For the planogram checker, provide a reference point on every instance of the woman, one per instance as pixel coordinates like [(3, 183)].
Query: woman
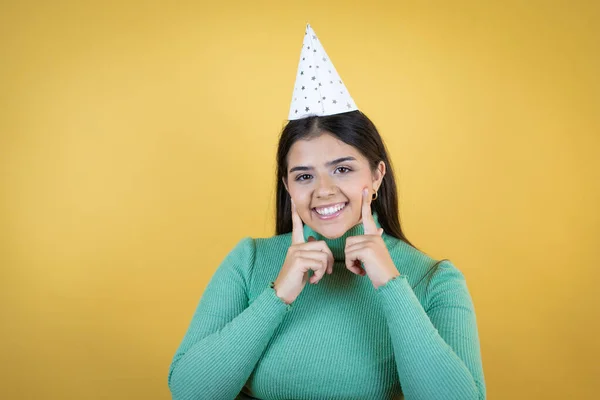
[(339, 304)]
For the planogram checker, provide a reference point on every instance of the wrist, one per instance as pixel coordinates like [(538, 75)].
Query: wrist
[(390, 278), (278, 294)]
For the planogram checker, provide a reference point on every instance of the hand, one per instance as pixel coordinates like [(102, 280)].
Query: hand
[(301, 257), (370, 250)]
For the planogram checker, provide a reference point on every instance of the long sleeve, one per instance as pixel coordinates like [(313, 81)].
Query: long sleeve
[(227, 335), (436, 349)]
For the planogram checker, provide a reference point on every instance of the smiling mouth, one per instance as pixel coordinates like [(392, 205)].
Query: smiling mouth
[(330, 212)]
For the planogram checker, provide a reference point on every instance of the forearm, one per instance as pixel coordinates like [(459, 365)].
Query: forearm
[(218, 365), (428, 367)]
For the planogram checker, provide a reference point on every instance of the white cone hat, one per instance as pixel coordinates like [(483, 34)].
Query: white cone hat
[(319, 89)]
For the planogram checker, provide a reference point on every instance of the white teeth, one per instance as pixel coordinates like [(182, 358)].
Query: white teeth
[(330, 210)]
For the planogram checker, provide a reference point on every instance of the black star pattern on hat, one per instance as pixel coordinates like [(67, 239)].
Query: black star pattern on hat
[(320, 58)]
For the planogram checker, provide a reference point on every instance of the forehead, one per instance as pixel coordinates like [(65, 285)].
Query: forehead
[(319, 150)]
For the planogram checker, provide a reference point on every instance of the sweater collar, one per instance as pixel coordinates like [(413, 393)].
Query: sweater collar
[(338, 245)]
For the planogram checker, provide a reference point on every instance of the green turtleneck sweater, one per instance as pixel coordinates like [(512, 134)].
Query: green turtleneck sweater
[(416, 336)]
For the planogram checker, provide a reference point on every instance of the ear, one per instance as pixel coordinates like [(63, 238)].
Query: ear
[(378, 175), (285, 184)]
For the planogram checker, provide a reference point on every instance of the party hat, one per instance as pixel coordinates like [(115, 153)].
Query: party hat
[(319, 90)]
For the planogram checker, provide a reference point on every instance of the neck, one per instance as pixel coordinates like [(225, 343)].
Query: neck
[(338, 245)]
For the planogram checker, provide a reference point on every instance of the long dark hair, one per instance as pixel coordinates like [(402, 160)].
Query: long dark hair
[(357, 130)]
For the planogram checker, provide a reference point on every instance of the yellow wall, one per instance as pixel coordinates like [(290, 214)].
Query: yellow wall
[(137, 147)]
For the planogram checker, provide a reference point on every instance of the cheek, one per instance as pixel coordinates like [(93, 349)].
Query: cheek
[(300, 197), (353, 190), (357, 180), (356, 204), (302, 201)]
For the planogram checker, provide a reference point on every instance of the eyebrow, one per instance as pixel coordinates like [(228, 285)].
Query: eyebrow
[(327, 164)]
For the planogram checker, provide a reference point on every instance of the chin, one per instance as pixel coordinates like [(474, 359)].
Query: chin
[(332, 232)]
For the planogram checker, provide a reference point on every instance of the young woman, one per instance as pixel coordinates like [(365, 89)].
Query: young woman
[(338, 304)]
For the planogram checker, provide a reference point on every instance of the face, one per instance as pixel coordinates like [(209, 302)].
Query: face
[(325, 179)]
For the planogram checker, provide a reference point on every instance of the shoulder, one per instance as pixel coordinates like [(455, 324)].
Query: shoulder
[(269, 256), (447, 287), (419, 267), (261, 249), (249, 246), (274, 243), (244, 249), (253, 260)]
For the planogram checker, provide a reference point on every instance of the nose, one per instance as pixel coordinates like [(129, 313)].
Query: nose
[(325, 188)]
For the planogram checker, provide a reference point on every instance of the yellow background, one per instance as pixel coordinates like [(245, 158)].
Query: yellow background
[(137, 147)]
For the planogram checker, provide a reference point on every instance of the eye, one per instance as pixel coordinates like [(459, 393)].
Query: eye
[(303, 177), (343, 170)]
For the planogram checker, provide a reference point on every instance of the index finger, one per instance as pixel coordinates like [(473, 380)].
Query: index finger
[(297, 227), (367, 217)]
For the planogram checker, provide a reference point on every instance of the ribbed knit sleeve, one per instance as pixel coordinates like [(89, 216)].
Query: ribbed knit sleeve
[(227, 335), (436, 349)]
